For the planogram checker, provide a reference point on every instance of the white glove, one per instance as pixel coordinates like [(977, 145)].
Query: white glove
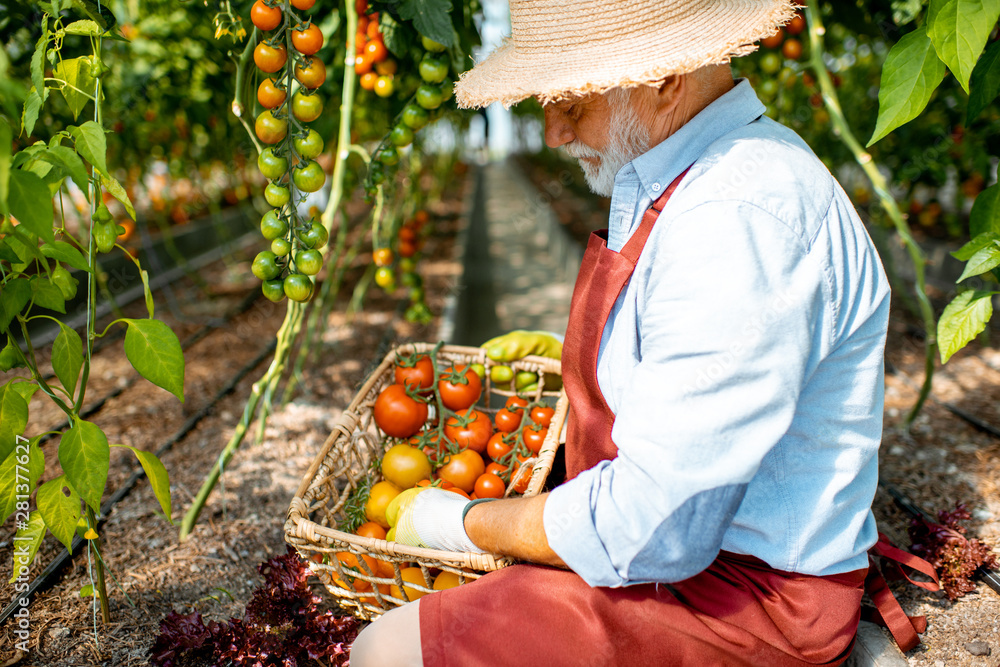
[(435, 519)]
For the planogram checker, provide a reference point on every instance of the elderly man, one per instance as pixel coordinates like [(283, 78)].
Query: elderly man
[(723, 360)]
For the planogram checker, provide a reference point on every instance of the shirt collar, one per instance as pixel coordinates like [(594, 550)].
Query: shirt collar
[(660, 165)]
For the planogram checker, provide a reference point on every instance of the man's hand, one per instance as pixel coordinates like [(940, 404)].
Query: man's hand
[(431, 518), (517, 345)]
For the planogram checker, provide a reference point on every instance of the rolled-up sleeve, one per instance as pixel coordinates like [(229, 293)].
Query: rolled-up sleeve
[(733, 313)]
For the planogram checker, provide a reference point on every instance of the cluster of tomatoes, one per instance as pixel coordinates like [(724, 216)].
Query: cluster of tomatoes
[(786, 39), (372, 63), (409, 240), (290, 158)]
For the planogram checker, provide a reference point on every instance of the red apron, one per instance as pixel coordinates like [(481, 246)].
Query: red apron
[(739, 611)]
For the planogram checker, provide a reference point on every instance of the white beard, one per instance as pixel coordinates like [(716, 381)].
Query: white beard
[(627, 140)]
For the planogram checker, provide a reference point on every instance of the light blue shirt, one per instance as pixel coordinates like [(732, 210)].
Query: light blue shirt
[(743, 362)]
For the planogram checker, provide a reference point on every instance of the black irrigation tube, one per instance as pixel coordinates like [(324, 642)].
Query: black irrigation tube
[(244, 306), (990, 577), (47, 575)]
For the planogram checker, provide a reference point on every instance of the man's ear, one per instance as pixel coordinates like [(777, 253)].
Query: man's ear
[(670, 92)]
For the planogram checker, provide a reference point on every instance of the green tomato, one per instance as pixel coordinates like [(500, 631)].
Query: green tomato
[(419, 313), (377, 172), (309, 146), (314, 237), (433, 69), (769, 88), (273, 290), (272, 226), (265, 266), (298, 287), (479, 370), (770, 63), (309, 262), (414, 117), (276, 195), (417, 294), (271, 165), (431, 45), (280, 246), (409, 279), (384, 277), (524, 379), (388, 156), (309, 178), (306, 106), (401, 135), (429, 97), (501, 375), (406, 264)]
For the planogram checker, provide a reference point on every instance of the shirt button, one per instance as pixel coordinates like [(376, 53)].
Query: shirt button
[(656, 187)]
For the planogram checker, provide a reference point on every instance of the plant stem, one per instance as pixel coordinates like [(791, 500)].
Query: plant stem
[(881, 187), (95, 546)]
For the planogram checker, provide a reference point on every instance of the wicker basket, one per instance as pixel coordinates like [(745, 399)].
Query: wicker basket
[(345, 461)]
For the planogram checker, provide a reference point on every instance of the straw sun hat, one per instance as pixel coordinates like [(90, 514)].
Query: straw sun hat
[(565, 48)]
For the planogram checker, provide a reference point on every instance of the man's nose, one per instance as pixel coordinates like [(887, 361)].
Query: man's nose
[(557, 129)]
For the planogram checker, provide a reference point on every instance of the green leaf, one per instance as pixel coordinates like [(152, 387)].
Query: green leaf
[(962, 320), (87, 591), (905, 11), (31, 203), (984, 260), (985, 84), (83, 28), (65, 157), (153, 350), (394, 35), (911, 74), (38, 65), (21, 469), (158, 478), (32, 105), (6, 137), (85, 456), (91, 144), (15, 296), (148, 292), (67, 357), (78, 83), (26, 388), (59, 505), (985, 216), (112, 185), (47, 295), (966, 252), (959, 30), (29, 538), (66, 253), (431, 18), (13, 418)]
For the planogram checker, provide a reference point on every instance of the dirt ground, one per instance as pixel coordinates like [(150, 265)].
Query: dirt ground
[(940, 461)]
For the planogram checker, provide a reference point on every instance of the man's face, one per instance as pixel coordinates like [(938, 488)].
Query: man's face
[(603, 132)]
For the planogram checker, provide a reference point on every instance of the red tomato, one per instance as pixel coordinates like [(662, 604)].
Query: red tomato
[(307, 41), (542, 415), (460, 388), (522, 484), (398, 415), (472, 435), (533, 437), (516, 402), (376, 50), (507, 421), (264, 17), (269, 58), (489, 485), (463, 469), (419, 375), (312, 73), (497, 447)]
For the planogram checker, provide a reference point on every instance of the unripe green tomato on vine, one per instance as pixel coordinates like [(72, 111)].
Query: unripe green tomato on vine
[(309, 178), (272, 225), (414, 117), (309, 146), (433, 69), (281, 247), (269, 129), (401, 136), (274, 290), (271, 165), (377, 173), (306, 107), (309, 262), (407, 264), (298, 287), (314, 237), (265, 266), (431, 45), (429, 97), (276, 195), (388, 156), (409, 279)]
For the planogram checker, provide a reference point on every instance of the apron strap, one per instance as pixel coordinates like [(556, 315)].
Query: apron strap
[(888, 613)]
